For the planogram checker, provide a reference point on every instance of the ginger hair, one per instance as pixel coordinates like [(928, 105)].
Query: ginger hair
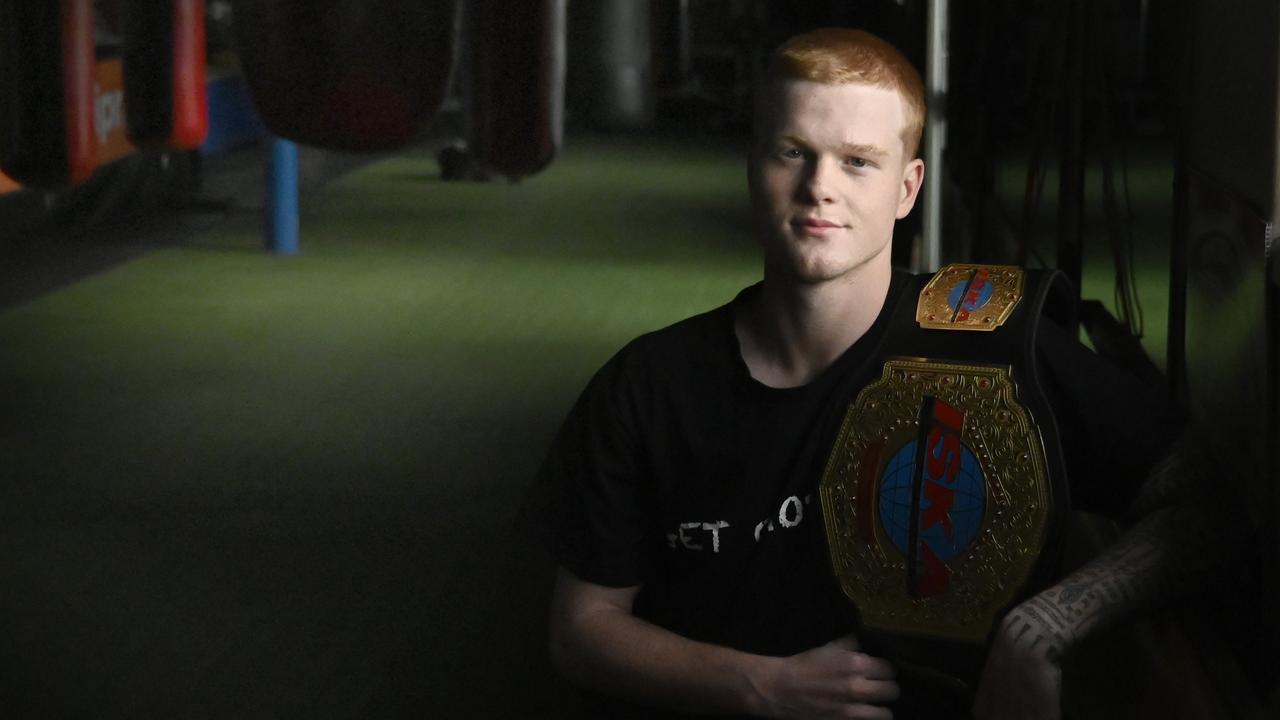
[(838, 56)]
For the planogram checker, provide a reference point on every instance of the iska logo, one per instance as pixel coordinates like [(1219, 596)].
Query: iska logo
[(932, 497), (108, 112), (968, 296)]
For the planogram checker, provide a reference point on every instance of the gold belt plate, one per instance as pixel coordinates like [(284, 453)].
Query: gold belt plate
[(970, 297), (936, 498)]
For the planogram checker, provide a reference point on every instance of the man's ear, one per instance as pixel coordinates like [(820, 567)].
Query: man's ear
[(912, 178)]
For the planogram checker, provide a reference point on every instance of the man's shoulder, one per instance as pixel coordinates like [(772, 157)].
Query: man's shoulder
[(707, 332)]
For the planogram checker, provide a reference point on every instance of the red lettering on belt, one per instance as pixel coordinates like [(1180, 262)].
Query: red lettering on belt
[(932, 494), (947, 415), (939, 511), (972, 296), (942, 460), (943, 454)]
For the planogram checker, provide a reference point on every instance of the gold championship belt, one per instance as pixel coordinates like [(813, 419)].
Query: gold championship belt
[(936, 495), (970, 297)]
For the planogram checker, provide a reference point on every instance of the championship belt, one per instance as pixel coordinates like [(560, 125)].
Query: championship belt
[(970, 297), (937, 495)]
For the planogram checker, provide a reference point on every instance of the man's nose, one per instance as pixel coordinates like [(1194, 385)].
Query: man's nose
[(818, 185)]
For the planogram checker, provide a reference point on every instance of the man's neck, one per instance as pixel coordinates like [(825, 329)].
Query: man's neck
[(794, 331)]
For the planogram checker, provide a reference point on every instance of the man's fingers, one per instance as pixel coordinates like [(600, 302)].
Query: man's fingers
[(848, 642), (875, 691), (846, 681), (871, 712), (873, 668)]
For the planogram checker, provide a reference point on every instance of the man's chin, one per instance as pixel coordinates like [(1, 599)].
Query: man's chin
[(804, 275), (799, 273)]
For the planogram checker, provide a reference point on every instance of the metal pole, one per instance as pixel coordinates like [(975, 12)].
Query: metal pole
[(282, 197), (684, 37), (935, 135), (1071, 167)]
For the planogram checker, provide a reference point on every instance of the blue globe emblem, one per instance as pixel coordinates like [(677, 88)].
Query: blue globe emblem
[(965, 515), (957, 293)]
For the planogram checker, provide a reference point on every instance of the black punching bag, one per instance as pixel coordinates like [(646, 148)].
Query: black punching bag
[(47, 67), (516, 84), (611, 76), (165, 92), (362, 75)]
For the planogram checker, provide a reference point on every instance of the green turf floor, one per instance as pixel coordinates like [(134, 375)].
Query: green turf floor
[(239, 485)]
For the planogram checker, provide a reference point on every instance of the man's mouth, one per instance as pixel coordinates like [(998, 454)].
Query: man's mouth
[(816, 226)]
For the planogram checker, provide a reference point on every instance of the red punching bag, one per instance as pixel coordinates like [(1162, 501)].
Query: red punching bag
[(164, 73), (346, 74), (46, 85)]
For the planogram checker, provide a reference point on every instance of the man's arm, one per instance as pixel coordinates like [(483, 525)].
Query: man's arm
[(598, 643), (1175, 544)]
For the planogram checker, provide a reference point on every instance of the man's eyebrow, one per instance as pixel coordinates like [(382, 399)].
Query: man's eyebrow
[(858, 149), (862, 150), (792, 139)]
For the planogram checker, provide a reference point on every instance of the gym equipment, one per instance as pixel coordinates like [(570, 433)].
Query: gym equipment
[(164, 73), (517, 71), (346, 74), (47, 68)]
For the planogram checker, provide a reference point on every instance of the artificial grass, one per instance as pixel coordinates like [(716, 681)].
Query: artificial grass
[(246, 485), (410, 292)]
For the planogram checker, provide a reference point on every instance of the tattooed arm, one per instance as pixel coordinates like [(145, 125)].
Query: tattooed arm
[(1173, 545)]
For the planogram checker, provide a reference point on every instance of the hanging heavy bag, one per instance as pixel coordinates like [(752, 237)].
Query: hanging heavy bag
[(346, 74), (517, 84), (46, 82), (164, 73)]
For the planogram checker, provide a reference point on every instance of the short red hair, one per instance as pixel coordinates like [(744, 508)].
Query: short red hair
[(838, 56)]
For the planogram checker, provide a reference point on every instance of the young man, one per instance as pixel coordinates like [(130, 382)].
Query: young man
[(695, 575)]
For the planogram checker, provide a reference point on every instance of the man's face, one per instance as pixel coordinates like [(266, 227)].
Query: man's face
[(829, 178)]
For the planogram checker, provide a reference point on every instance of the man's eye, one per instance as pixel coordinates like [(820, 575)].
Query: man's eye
[(790, 153), (856, 162)]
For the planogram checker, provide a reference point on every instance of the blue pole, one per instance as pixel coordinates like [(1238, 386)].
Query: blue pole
[(282, 197)]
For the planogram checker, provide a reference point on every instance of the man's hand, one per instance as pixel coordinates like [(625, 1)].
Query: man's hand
[(598, 643), (832, 681), (1180, 541), (1022, 677)]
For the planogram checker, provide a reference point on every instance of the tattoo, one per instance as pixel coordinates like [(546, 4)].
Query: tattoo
[(1173, 479), (1178, 541), (1071, 591), (1156, 559)]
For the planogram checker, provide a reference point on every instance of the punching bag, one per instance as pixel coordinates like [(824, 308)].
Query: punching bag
[(346, 74), (517, 84), (164, 73), (612, 76), (46, 81)]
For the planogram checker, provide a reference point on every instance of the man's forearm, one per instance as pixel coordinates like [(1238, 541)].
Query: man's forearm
[(1176, 544), (598, 643), (618, 654), (1180, 538), (1155, 560)]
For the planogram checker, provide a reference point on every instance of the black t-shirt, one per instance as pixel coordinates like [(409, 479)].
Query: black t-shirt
[(678, 471)]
